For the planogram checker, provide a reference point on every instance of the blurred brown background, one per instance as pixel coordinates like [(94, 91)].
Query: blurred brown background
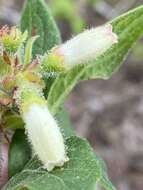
[(108, 113)]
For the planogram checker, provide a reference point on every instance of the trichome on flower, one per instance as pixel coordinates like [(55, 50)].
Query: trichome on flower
[(23, 84)]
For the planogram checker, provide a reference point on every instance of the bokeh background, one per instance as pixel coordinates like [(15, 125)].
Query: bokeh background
[(108, 113)]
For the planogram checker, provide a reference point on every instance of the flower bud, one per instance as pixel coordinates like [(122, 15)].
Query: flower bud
[(88, 45), (45, 136), (41, 127), (12, 38)]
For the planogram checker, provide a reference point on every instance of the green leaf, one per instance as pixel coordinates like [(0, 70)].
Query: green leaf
[(38, 20), (4, 69), (129, 28), (13, 121), (83, 171), (19, 153), (104, 181), (28, 49), (66, 10), (64, 122)]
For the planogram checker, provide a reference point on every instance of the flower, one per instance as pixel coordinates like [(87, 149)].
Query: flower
[(45, 136), (12, 38), (42, 129), (87, 45)]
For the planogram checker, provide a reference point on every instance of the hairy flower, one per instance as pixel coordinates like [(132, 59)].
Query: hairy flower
[(45, 136), (42, 129), (87, 45)]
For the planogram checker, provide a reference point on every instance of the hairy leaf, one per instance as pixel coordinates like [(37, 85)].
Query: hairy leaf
[(83, 171), (13, 121), (38, 20), (104, 181), (19, 153), (64, 122), (129, 28)]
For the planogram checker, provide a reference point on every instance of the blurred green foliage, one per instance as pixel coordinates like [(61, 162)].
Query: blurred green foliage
[(68, 10), (137, 52)]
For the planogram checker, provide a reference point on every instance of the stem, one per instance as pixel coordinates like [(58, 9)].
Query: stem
[(3, 160)]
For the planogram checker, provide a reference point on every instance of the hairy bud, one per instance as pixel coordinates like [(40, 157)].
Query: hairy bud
[(45, 136), (42, 129), (87, 45)]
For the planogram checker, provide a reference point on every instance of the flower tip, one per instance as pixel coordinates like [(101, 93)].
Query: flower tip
[(109, 28), (49, 166), (110, 32)]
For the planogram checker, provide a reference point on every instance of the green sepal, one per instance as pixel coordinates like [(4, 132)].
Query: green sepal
[(52, 63), (11, 42), (4, 68)]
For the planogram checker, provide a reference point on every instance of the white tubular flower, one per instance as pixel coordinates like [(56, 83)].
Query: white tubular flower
[(41, 127), (45, 136), (87, 45)]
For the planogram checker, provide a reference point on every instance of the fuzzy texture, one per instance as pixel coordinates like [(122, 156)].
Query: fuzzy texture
[(45, 136), (87, 45)]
